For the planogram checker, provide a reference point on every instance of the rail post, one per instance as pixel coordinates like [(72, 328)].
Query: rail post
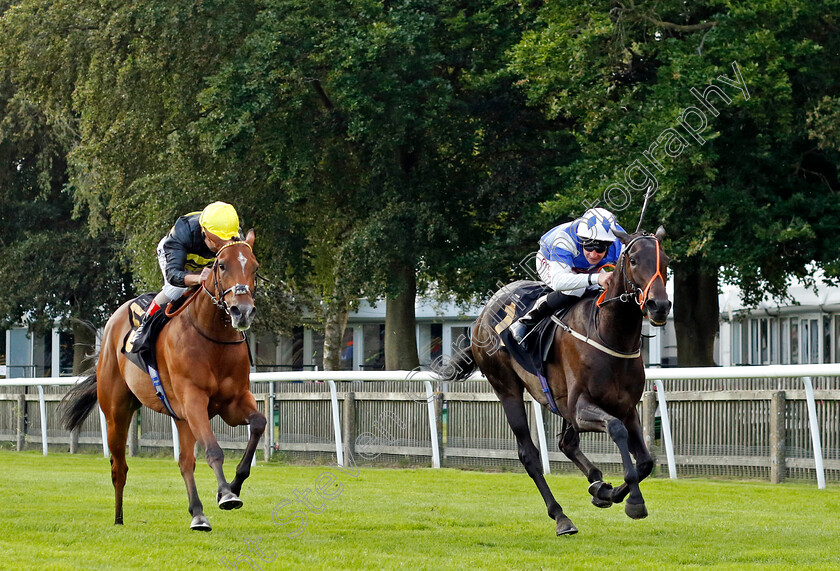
[(815, 432), (21, 422), (777, 437), (350, 423)]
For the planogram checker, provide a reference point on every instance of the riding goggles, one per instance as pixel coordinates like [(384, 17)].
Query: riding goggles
[(599, 247)]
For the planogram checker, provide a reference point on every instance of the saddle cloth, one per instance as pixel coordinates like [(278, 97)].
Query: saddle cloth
[(144, 354)]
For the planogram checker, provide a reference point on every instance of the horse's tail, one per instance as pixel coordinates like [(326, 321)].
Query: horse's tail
[(460, 366), (78, 402)]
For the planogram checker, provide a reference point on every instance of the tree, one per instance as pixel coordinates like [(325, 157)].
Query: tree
[(53, 269), (393, 125), (745, 195)]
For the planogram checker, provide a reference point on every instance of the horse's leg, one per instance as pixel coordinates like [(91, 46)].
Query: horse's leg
[(514, 408), (186, 461), (118, 404), (593, 418), (644, 462), (256, 421), (118, 422), (199, 422), (569, 444)]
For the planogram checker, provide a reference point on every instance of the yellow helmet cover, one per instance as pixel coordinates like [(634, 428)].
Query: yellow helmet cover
[(221, 219)]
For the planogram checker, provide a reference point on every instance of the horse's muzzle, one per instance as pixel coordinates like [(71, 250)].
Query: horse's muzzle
[(657, 311), (242, 315)]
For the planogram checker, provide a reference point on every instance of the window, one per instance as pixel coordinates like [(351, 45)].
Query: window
[(784, 338), (346, 355), (374, 345), (794, 342), (460, 339)]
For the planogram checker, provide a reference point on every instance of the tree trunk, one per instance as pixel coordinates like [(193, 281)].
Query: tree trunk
[(400, 330), (696, 316), (84, 345), (335, 322)]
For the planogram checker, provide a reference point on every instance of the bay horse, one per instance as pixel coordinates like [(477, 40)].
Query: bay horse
[(204, 367), (594, 390)]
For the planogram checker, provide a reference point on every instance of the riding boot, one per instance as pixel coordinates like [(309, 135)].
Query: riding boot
[(520, 327)]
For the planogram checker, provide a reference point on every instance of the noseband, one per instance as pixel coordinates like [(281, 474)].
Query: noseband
[(218, 298)]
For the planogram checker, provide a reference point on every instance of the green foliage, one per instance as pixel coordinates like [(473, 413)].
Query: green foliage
[(52, 267), (758, 198)]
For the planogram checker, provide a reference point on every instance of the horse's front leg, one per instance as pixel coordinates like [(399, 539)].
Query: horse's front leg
[(186, 462), (591, 417), (644, 461), (569, 445), (199, 422), (247, 409)]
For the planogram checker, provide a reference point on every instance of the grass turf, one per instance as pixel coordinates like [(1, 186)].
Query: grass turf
[(58, 514)]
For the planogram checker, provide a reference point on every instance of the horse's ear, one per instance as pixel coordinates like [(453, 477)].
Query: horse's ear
[(660, 233), (249, 237), (623, 236)]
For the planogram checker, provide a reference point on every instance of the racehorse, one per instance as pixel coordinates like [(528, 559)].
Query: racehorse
[(204, 368), (595, 386)]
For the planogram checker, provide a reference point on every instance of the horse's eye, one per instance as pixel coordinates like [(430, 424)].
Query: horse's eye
[(221, 266), (632, 261)]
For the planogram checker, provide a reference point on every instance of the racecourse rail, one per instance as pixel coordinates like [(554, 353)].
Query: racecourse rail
[(770, 421)]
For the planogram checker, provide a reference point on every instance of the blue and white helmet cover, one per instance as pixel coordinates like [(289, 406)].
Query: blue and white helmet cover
[(596, 224)]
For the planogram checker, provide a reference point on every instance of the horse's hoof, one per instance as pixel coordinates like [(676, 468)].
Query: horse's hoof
[(230, 501), (636, 511), (200, 523), (565, 526), (596, 489)]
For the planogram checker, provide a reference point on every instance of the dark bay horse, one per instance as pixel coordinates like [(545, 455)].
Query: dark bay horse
[(204, 367), (594, 390)]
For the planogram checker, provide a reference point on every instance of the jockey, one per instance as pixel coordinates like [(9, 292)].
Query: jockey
[(571, 260), (186, 253)]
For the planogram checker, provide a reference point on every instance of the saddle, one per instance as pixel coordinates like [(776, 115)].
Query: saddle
[(536, 348)]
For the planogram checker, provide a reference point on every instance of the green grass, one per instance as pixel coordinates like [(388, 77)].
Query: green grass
[(58, 514)]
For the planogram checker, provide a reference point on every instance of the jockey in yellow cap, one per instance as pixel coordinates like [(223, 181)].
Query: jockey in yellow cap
[(188, 250)]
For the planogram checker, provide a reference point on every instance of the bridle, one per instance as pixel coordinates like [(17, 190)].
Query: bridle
[(632, 291), (218, 295)]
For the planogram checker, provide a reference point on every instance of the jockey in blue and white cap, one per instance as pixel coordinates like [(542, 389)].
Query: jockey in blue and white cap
[(571, 260)]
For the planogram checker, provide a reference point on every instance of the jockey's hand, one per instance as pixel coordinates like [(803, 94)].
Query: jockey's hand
[(604, 279), (205, 273)]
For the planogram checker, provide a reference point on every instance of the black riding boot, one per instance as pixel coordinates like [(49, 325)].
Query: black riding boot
[(545, 306), (140, 334)]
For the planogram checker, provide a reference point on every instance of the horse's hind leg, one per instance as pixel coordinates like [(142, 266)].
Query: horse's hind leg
[(118, 404), (117, 437), (186, 462), (569, 444), (592, 417), (514, 408)]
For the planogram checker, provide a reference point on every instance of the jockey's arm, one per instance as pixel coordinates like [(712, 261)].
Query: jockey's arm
[(196, 279), (564, 279)]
